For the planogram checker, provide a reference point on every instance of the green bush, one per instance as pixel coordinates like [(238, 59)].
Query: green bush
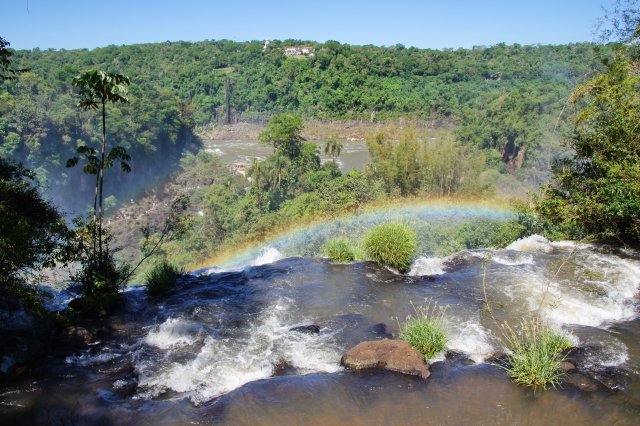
[(535, 355), (425, 331), (161, 277), (392, 244), (339, 250)]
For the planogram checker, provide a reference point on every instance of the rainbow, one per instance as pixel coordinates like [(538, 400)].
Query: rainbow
[(405, 210)]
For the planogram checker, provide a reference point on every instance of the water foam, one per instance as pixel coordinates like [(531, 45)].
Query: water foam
[(268, 255), (427, 266), (534, 243), (226, 363), (174, 332), (471, 338)]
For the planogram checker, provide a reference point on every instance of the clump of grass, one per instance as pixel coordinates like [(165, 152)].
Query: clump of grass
[(161, 277), (392, 244), (536, 354), (425, 330), (339, 250)]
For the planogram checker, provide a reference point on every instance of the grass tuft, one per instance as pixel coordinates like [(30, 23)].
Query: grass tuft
[(425, 330), (339, 250), (392, 244), (535, 354), (161, 277)]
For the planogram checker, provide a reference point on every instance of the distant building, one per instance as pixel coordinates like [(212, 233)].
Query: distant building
[(298, 51), (266, 44)]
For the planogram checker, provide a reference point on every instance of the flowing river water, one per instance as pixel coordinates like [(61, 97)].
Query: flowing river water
[(220, 349)]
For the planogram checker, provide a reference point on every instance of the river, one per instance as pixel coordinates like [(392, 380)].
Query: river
[(220, 349)]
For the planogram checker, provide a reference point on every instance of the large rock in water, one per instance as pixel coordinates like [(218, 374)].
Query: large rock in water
[(392, 355)]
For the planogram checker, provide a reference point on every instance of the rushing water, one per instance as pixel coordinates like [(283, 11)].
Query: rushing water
[(220, 347)]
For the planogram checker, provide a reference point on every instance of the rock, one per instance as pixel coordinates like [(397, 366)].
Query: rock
[(392, 355), (283, 368), (76, 336), (499, 358), (306, 329), (456, 357), (581, 382), (126, 387), (567, 366), (380, 330), (613, 378)]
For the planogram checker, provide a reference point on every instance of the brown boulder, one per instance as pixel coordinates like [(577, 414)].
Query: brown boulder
[(392, 355)]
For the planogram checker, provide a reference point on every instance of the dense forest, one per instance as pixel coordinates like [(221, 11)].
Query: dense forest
[(504, 99)]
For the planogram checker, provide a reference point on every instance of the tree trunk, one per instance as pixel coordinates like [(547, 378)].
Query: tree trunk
[(95, 212), (101, 171)]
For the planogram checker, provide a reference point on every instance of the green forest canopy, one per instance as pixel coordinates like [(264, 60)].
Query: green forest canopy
[(504, 99)]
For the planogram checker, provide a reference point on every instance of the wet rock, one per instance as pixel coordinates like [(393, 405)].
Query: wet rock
[(75, 336), (581, 382), (499, 358), (392, 355), (126, 387), (283, 368), (567, 366), (306, 329), (612, 378), (458, 358), (380, 330)]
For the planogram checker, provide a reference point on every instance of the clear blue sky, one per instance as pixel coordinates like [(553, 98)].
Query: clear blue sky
[(428, 24)]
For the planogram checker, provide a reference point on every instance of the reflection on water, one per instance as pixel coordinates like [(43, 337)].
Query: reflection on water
[(221, 347)]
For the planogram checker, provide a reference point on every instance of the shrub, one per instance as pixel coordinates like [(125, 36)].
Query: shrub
[(161, 277), (425, 331), (392, 244), (535, 354), (339, 250)]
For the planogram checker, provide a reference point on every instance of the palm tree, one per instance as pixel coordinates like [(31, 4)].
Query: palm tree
[(96, 89), (333, 148)]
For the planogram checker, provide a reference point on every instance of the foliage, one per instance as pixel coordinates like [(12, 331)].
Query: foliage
[(333, 147), (7, 72), (161, 277), (425, 330), (391, 244), (499, 95), (535, 354), (413, 165), (100, 277), (339, 250), (284, 132), (33, 235), (597, 192)]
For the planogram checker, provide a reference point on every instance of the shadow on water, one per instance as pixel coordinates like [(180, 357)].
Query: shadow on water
[(224, 348)]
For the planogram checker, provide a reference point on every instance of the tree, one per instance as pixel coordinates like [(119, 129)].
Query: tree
[(333, 148), (96, 89), (33, 235), (6, 71), (284, 132), (596, 193)]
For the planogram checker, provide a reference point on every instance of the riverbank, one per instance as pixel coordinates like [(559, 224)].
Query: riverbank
[(320, 130)]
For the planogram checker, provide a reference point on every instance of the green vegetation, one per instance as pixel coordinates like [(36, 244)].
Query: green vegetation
[(392, 244), (33, 235), (161, 277), (596, 193), (415, 165), (535, 354), (425, 331), (339, 250), (503, 100)]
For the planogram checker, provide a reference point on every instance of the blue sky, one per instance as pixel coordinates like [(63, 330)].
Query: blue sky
[(427, 24)]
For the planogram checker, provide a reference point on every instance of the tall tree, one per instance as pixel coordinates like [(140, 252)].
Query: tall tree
[(97, 88)]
